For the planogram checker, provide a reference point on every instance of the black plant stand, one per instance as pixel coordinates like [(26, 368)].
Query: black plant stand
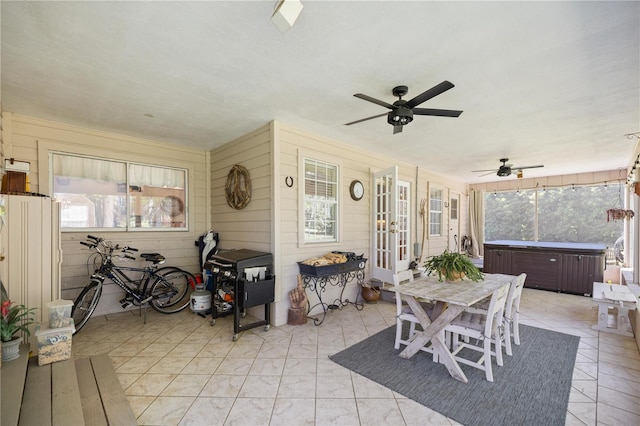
[(316, 279)]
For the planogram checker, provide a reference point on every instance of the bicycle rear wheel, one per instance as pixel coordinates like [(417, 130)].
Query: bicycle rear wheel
[(170, 291), (85, 304)]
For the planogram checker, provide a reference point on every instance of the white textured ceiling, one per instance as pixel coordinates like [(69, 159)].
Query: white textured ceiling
[(553, 83)]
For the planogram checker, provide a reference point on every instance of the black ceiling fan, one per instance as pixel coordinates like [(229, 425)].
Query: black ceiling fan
[(505, 169), (402, 111)]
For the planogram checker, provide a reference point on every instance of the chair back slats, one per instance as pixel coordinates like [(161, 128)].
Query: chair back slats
[(513, 299), (496, 308), (405, 314), (399, 278)]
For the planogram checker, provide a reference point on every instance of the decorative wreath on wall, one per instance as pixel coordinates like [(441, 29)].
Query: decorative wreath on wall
[(238, 187)]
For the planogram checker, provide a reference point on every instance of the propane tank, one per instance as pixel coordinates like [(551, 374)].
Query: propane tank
[(200, 299)]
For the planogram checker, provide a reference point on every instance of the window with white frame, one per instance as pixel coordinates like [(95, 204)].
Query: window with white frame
[(435, 212), (320, 201), (118, 195)]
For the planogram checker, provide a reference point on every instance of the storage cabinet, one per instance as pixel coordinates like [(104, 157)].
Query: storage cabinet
[(579, 271), (30, 251), (542, 268), (564, 267), (497, 260)]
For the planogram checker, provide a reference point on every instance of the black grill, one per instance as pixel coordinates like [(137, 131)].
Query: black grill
[(232, 263), (248, 274)]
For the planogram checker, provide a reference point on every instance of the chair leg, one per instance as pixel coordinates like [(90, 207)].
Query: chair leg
[(454, 341), (507, 338), (497, 344), (516, 329), (487, 359), (398, 334), (498, 347), (444, 337)]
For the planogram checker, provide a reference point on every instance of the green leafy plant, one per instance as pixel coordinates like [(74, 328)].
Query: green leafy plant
[(450, 265), (14, 318)]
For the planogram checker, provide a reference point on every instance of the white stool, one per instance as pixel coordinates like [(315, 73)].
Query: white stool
[(619, 299)]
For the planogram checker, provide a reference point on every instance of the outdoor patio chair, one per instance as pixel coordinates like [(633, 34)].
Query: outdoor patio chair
[(483, 330), (404, 313), (511, 320), (512, 313)]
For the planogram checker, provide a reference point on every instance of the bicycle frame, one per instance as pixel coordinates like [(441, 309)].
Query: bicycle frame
[(134, 288), (164, 288)]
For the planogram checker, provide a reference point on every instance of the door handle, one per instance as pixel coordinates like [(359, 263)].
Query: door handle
[(552, 260)]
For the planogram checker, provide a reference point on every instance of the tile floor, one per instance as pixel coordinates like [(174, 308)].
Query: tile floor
[(179, 370)]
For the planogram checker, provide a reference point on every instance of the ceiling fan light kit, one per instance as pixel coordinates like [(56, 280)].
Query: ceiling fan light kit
[(402, 111), (400, 116)]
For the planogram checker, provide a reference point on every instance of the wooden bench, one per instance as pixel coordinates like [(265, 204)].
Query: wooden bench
[(84, 391)]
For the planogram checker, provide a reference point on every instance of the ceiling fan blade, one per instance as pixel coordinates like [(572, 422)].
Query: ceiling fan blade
[(374, 100), (365, 119), (430, 93), (397, 129), (485, 170), (487, 174), (527, 167), (437, 112)]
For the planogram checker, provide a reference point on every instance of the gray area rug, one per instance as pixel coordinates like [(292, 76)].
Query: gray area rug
[(532, 388)]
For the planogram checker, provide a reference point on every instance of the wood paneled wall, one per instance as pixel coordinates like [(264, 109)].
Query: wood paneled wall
[(30, 139)]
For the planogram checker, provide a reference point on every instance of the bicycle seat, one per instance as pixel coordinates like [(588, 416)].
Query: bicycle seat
[(152, 257)]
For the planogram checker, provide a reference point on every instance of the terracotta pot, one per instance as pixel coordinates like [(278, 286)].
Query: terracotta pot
[(457, 276), (371, 294), (11, 349)]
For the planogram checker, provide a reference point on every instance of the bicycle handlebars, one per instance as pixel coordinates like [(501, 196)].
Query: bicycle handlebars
[(108, 248)]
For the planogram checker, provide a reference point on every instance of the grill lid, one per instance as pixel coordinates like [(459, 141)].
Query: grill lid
[(239, 259)]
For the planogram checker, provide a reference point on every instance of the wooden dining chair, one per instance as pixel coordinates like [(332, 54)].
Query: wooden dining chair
[(510, 320), (483, 331), (512, 313), (404, 313)]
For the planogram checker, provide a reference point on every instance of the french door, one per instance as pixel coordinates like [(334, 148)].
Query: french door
[(391, 225)]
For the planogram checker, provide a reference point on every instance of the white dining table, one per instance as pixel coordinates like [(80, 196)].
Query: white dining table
[(451, 298)]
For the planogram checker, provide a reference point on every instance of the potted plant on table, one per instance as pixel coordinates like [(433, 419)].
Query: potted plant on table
[(13, 318), (452, 266)]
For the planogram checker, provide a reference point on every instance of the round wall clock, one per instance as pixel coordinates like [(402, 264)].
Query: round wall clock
[(356, 190)]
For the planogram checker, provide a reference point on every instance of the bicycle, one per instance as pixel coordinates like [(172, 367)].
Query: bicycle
[(165, 289)]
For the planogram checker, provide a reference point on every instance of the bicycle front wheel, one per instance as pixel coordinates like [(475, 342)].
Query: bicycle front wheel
[(85, 304), (170, 291)]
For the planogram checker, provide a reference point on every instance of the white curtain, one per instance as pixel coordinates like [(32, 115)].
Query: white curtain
[(156, 176), (116, 171), (91, 168), (476, 221)]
